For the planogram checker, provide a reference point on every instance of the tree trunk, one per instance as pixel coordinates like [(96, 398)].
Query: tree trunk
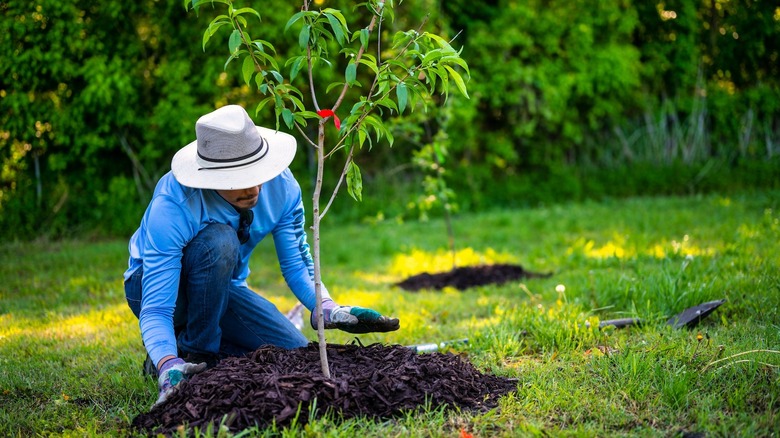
[(316, 249)]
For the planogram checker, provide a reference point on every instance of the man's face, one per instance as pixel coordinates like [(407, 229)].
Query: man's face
[(242, 198)]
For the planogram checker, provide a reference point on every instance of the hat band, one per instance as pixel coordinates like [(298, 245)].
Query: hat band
[(262, 150)]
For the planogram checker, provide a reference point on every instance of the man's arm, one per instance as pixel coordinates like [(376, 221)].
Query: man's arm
[(167, 232), (292, 249), (298, 270)]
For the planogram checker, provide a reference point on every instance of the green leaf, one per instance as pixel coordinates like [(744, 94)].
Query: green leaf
[(390, 138), (277, 113), (268, 59), (277, 76), (296, 67), (299, 119), (414, 53), (401, 38), (230, 58), (336, 13), (388, 13), (287, 115), (348, 52), (357, 107), (430, 78), (364, 38), (337, 29), (439, 40), (235, 41), (371, 58), (368, 63), (372, 121), (206, 37), (432, 56), (261, 44), (297, 102), (395, 63), (307, 114), (248, 69), (261, 85), (444, 85), (303, 37), (262, 105), (197, 3), (316, 60), (402, 94), (293, 19), (245, 11), (387, 103), (293, 90), (212, 29), (351, 73), (333, 85), (456, 60), (354, 182), (458, 80)]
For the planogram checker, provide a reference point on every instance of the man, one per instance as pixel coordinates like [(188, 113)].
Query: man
[(189, 259)]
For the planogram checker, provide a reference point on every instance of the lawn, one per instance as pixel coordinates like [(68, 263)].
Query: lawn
[(71, 354)]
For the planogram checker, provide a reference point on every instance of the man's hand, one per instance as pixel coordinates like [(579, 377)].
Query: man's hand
[(354, 319), (173, 372)]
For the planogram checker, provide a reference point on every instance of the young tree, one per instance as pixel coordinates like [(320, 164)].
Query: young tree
[(416, 67)]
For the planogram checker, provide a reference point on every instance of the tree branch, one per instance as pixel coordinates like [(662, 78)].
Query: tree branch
[(341, 179), (359, 55)]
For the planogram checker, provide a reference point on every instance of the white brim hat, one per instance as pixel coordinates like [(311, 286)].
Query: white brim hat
[(232, 153)]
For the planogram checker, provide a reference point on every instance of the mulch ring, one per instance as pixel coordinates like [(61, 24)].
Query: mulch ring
[(469, 276), (375, 381)]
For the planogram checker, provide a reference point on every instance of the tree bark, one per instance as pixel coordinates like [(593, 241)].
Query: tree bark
[(316, 249)]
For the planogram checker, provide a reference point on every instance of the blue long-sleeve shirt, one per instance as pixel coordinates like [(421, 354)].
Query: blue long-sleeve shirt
[(177, 214)]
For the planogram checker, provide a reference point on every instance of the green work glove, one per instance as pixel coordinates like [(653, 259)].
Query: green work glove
[(173, 372), (354, 319)]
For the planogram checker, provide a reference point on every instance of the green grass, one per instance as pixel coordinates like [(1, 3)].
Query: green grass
[(70, 349)]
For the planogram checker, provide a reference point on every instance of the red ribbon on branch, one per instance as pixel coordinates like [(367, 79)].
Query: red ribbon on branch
[(329, 113)]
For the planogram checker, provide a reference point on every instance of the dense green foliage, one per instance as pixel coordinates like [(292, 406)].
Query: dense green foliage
[(585, 98), (569, 100), (71, 351)]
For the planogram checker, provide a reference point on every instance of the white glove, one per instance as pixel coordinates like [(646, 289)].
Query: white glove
[(173, 372)]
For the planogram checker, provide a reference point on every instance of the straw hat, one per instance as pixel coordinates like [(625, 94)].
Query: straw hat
[(231, 152)]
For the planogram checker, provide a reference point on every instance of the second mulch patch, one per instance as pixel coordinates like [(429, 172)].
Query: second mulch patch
[(468, 276), (272, 384)]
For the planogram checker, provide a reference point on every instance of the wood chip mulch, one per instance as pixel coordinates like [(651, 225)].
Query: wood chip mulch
[(376, 381), (468, 276)]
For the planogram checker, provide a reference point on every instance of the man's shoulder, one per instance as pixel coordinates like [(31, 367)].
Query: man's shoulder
[(286, 176), (283, 181), (169, 187)]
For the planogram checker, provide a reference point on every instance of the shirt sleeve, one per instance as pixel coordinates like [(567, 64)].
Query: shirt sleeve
[(167, 232), (292, 249)]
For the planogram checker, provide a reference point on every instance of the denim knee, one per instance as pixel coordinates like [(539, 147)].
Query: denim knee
[(133, 291)]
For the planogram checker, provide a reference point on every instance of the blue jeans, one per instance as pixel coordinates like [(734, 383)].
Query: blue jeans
[(213, 316)]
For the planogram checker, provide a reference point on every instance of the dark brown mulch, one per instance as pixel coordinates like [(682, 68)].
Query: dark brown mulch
[(375, 381), (470, 276)]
